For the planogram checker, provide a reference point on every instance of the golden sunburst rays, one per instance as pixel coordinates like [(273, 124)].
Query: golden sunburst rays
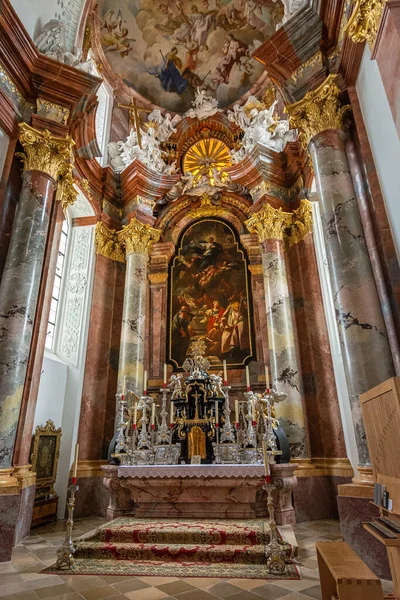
[(206, 155)]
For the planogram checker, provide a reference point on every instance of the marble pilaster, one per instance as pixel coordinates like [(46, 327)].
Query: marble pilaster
[(138, 240), (270, 223), (364, 341)]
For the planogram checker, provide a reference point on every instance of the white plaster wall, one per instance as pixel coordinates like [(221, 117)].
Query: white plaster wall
[(4, 141), (383, 137)]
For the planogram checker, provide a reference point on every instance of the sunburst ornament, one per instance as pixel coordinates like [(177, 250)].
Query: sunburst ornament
[(206, 155)]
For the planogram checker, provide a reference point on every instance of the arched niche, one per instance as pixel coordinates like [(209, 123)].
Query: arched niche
[(209, 296)]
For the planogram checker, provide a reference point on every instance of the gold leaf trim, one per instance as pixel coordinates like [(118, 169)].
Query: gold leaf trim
[(138, 237), (364, 21), (207, 209), (44, 152), (107, 243)]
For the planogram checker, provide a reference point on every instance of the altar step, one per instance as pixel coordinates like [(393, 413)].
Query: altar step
[(186, 541), (185, 553), (184, 531)]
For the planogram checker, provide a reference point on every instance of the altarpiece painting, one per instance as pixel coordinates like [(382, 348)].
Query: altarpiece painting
[(209, 295)]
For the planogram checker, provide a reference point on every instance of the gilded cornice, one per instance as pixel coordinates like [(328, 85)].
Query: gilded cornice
[(138, 237), (52, 111), (269, 223), (107, 243), (302, 223), (256, 269), (319, 110), (158, 278), (44, 152), (207, 209), (274, 224), (364, 21)]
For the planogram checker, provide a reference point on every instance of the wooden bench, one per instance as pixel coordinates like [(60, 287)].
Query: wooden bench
[(343, 574)]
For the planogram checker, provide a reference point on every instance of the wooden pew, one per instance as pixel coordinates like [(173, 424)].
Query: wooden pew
[(343, 574)]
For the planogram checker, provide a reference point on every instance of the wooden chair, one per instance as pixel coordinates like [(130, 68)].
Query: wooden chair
[(343, 574)]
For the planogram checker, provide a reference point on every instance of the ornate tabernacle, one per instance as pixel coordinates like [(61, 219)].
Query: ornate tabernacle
[(200, 428), (44, 457)]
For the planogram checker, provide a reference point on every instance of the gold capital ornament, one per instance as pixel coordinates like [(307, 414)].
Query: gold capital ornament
[(364, 21), (52, 155), (138, 237), (319, 110), (269, 223), (107, 243), (302, 223)]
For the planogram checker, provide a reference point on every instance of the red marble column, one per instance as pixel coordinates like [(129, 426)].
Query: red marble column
[(96, 424), (386, 53), (320, 395)]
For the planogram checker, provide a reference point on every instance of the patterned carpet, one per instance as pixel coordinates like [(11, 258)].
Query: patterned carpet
[(181, 548)]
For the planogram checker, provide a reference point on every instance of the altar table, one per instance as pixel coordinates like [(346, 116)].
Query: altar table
[(199, 491)]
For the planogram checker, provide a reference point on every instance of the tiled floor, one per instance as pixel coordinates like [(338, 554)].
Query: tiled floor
[(20, 579)]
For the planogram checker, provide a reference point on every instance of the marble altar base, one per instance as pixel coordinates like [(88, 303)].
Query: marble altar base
[(198, 491)]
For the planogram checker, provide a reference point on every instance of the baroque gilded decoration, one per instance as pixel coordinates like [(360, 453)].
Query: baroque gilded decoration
[(205, 156), (52, 111), (272, 223), (107, 243), (364, 21), (207, 209), (319, 110), (138, 237), (44, 152)]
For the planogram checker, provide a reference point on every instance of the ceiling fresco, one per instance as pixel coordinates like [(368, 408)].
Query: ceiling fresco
[(164, 50)]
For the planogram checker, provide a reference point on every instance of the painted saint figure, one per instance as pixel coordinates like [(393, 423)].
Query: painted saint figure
[(181, 331), (170, 76), (232, 51)]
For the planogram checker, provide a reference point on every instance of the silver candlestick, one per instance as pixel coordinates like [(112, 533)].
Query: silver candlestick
[(120, 445), (249, 436), (164, 433), (228, 433), (144, 441), (66, 552), (274, 552)]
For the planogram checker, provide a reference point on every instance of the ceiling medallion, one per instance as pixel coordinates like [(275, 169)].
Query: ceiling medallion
[(206, 155)]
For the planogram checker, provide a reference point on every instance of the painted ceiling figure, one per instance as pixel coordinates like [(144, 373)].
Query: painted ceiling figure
[(170, 76), (232, 51)]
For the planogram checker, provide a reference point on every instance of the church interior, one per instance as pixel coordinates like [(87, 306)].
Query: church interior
[(199, 299)]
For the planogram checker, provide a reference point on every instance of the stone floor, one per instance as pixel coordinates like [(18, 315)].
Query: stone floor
[(20, 578)]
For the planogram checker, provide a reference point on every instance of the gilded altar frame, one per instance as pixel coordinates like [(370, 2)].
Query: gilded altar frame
[(44, 458)]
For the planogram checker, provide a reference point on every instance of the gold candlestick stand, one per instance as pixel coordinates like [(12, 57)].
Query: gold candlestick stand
[(66, 552), (274, 552)]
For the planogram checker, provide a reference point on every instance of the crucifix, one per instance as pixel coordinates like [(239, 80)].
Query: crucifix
[(134, 119)]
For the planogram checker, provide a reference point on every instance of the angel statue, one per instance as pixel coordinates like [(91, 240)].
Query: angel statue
[(165, 125), (51, 42), (203, 106), (176, 386)]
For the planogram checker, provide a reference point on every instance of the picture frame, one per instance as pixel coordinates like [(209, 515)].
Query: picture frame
[(44, 458)]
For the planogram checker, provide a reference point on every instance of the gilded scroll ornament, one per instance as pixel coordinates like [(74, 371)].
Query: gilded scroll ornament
[(269, 223), (302, 223), (319, 110), (52, 111), (43, 151), (66, 193), (207, 209), (138, 237), (364, 21), (107, 243)]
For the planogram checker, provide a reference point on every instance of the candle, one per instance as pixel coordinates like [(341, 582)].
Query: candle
[(247, 379), (75, 467), (266, 378), (135, 416), (216, 415), (153, 414), (145, 383), (165, 374), (253, 409), (123, 387), (225, 373), (266, 462), (237, 412), (171, 416)]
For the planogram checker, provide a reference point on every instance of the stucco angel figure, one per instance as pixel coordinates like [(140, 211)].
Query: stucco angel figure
[(203, 106), (123, 153), (165, 124), (176, 386), (282, 134), (216, 385)]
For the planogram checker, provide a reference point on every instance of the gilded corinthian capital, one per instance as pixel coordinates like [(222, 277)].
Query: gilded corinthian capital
[(319, 110), (107, 243), (138, 237), (364, 21), (269, 223), (44, 152)]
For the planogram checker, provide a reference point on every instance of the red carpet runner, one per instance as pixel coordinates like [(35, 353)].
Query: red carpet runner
[(181, 548)]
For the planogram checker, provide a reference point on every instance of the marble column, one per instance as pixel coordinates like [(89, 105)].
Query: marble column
[(270, 223), (138, 239), (45, 160), (364, 341)]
